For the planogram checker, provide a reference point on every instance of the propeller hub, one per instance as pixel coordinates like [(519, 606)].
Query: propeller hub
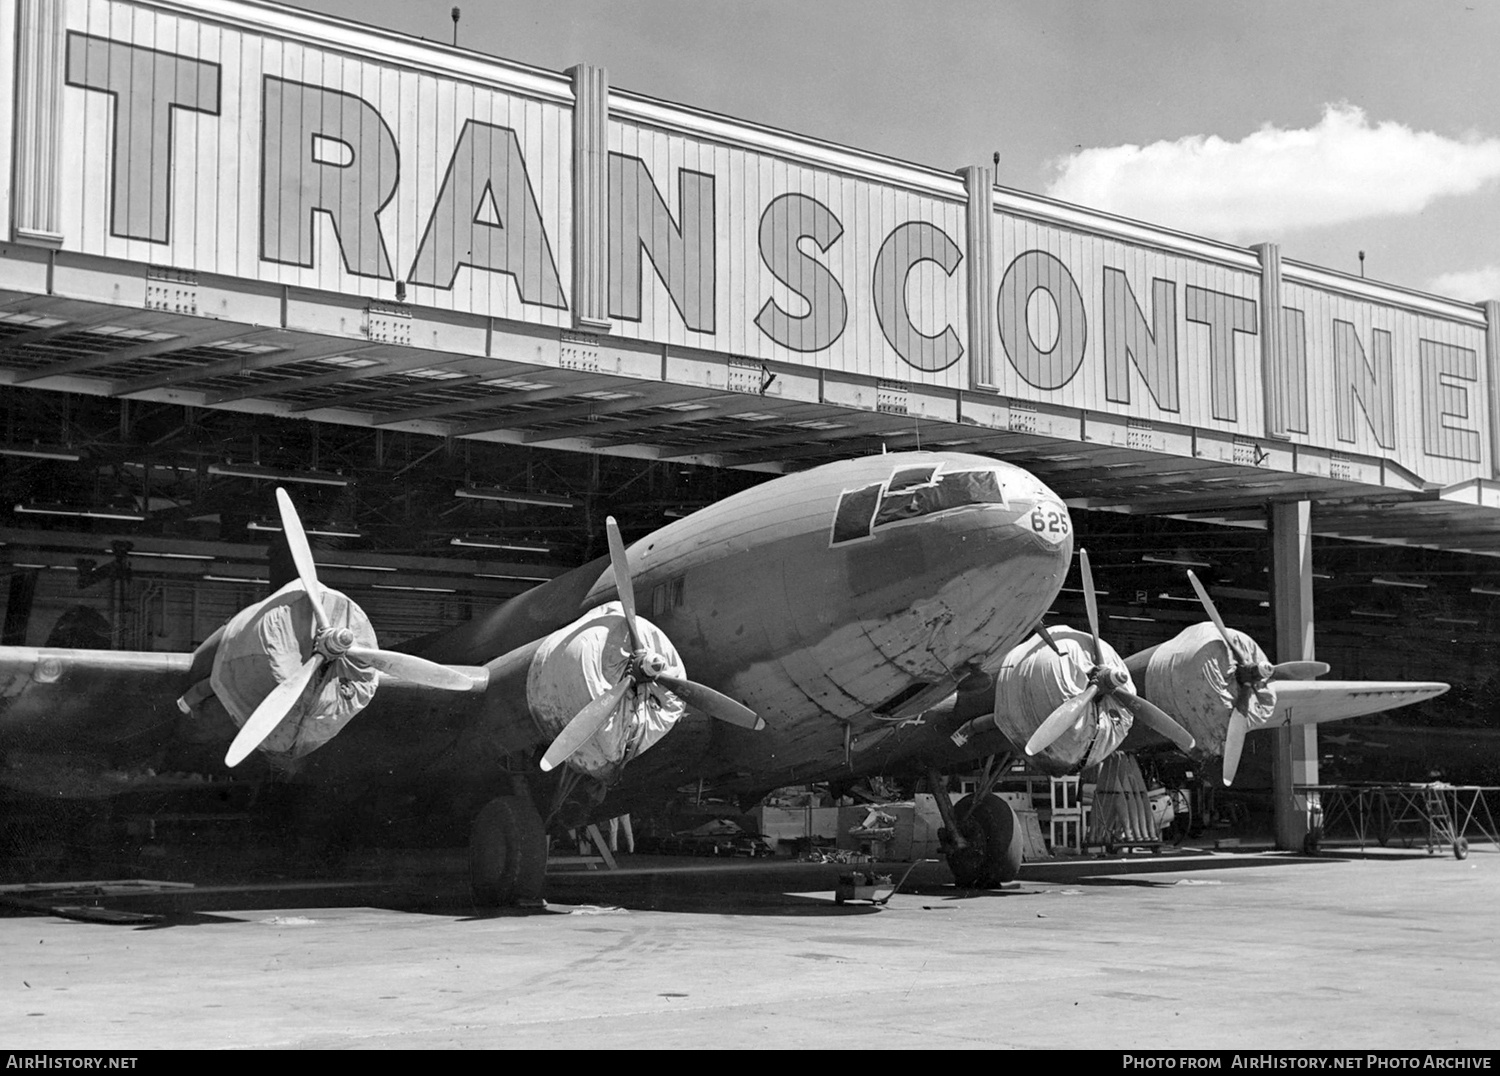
[(1254, 672), (1110, 678), (335, 642), (647, 665)]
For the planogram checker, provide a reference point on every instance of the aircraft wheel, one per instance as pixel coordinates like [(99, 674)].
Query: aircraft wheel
[(994, 853), (1461, 848), (507, 853)]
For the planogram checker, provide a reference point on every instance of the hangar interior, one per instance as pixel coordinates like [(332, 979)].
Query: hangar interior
[(168, 357)]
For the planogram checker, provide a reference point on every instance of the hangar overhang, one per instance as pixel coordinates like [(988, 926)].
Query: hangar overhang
[(507, 383)]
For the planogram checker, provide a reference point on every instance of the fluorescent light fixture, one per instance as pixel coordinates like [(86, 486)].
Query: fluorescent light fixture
[(1077, 590), (1152, 558), (356, 567), (41, 452), (1379, 581), (1372, 613), (1493, 592), (90, 513), (1142, 619), (260, 525), (495, 543), (514, 578), (403, 586), (1465, 621), (542, 500), (167, 556), (235, 579), (247, 470)]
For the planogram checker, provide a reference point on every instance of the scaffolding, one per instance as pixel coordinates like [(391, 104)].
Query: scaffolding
[(1439, 814)]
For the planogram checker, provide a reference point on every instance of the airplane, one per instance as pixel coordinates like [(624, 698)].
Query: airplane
[(829, 610)]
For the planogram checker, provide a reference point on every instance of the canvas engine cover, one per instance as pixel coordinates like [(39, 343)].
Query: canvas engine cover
[(267, 643), (575, 665), (1033, 681), (1191, 676)]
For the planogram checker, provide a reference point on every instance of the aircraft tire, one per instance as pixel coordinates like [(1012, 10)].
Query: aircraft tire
[(507, 854), (1461, 848), (994, 854)]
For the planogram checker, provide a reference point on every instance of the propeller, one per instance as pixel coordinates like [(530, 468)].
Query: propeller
[(1104, 681), (643, 667), (1251, 673), (329, 644)]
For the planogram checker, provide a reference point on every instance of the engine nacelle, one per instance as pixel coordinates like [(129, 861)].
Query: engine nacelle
[(1192, 677), (268, 642), (1033, 681), (579, 663)]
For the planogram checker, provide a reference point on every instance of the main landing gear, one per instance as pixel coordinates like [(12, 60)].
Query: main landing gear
[(980, 838), (507, 853)]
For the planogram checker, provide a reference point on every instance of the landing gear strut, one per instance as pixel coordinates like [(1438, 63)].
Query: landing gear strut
[(507, 853)]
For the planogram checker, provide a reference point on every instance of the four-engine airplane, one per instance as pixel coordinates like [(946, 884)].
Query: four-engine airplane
[(822, 616), (831, 607)]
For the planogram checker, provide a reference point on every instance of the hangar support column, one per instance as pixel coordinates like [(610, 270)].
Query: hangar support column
[(1295, 761)]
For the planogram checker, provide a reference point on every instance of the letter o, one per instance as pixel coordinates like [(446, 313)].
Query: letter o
[(1055, 367)]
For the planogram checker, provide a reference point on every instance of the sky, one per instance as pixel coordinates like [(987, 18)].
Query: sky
[(1326, 126)]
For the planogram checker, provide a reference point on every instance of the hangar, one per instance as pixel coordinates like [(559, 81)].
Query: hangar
[(468, 308)]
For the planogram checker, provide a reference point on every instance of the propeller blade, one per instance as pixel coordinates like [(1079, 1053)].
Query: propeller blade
[(296, 540), (623, 583), (270, 712), (410, 668), (1090, 601), (1234, 743), (1041, 629), (1060, 720), (585, 723), (1156, 719), (1213, 614), (1299, 670), (716, 705)]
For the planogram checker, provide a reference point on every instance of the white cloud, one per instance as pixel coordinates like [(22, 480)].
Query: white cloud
[(1470, 286), (1272, 181)]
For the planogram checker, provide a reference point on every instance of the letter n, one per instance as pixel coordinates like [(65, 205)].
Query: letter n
[(1355, 380), (682, 254), (1128, 339)]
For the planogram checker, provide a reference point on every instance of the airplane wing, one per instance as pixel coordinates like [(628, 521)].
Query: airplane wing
[(97, 698), (1312, 702)]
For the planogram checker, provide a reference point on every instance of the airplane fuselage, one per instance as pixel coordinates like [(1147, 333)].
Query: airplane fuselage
[(823, 600)]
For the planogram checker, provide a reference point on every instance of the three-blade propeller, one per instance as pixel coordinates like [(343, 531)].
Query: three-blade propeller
[(329, 644), (1251, 673), (1104, 681), (644, 666)]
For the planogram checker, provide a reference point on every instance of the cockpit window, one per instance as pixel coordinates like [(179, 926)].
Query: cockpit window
[(909, 493)]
